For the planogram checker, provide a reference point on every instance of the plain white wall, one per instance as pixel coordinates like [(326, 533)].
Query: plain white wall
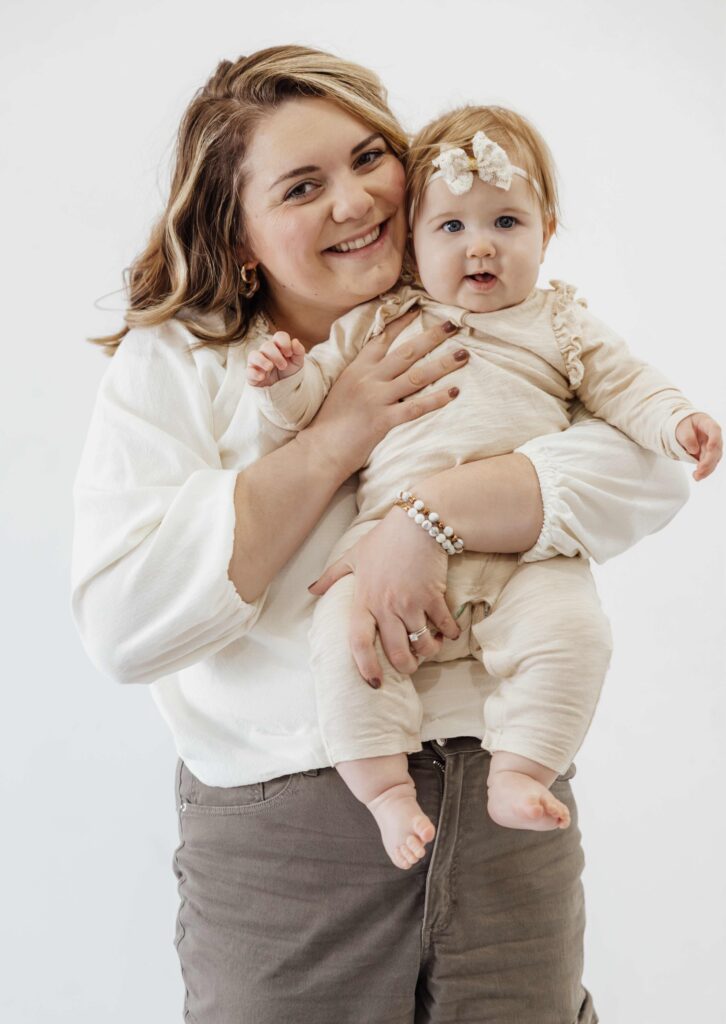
[(630, 98)]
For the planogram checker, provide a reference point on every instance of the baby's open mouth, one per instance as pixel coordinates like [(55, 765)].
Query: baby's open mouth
[(482, 278)]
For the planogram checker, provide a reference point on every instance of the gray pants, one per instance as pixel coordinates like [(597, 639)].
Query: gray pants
[(292, 912)]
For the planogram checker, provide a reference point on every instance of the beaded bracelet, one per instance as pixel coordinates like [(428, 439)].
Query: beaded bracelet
[(431, 522)]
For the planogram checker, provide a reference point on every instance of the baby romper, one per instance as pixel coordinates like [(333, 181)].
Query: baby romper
[(537, 628)]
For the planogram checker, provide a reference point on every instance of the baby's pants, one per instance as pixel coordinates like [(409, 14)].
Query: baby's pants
[(539, 631)]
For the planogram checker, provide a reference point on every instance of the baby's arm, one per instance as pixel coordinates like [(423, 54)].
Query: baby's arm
[(290, 384), (635, 397), (289, 388)]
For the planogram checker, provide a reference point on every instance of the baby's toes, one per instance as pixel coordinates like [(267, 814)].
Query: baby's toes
[(535, 807), (424, 829), (556, 809), (399, 860), (409, 855), (416, 847)]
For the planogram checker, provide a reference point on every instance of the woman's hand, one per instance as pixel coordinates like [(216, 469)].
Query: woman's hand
[(400, 582), (366, 400)]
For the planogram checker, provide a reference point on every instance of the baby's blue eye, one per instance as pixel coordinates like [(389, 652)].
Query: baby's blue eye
[(450, 226), (511, 221)]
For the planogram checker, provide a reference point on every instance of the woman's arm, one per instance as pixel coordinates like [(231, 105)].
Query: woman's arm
[(280, 498), (172, 553), (588, 491), (596, 493)]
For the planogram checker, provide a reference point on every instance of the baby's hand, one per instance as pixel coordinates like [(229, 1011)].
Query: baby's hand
[(279, 357), (701, 437)]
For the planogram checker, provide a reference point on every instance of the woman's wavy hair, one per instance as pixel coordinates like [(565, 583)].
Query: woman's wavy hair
[(518, 137), (191, 261)]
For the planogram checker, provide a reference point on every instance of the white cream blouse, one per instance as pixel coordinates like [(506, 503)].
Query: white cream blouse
[(154, 530)]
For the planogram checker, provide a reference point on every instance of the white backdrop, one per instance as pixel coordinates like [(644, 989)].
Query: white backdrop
[(631, 100)]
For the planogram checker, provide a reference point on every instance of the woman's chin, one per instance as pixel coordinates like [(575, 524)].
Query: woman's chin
[(367, 285)]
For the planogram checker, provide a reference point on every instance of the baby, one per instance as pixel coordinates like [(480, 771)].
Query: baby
[(483, 207)]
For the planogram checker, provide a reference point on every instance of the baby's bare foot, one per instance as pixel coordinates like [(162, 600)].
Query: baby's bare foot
[(404, 826), (518, 801)]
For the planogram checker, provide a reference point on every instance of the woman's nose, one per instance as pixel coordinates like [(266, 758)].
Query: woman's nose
[(351, 201), (481, 246)]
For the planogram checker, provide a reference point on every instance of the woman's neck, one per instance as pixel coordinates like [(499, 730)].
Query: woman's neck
[(309, 324)]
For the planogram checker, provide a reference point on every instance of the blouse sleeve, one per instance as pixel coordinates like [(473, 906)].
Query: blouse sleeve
[(154, 518), (601, 492)]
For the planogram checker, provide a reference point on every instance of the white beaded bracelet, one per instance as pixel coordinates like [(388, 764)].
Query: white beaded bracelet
[(430, 522)]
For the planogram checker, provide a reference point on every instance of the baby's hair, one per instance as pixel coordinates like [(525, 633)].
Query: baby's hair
[(521, 141)]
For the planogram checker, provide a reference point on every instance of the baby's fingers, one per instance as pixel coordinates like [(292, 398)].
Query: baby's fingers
[(711, 454), (298, 349), (258, 361), (277, 357)]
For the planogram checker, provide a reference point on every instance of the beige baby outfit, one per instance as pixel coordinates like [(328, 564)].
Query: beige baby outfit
[(537, 627)]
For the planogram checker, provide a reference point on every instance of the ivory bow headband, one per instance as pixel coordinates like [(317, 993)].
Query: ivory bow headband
[(490, 161)]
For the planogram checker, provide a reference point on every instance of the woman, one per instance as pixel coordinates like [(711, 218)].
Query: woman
[(196, 534)]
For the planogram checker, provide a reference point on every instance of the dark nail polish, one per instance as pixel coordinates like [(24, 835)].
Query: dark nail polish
[(313, 583), (437, 635), (461, 355), (449, 327), (453, 392), (375, 683)]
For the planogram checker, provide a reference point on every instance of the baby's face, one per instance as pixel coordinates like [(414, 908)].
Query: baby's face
[(481, 250)]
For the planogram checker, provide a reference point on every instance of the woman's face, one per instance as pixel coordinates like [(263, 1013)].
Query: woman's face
[(324, 209)]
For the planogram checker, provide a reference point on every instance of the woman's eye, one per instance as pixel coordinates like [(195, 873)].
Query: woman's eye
[(301, 190), (452, 225), (510, 221), (369, 157)]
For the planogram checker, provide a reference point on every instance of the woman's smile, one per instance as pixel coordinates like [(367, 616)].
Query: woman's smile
[(363, 244), (331, 233)]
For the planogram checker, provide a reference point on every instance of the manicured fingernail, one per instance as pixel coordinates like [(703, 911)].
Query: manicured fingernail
[(449, 327), (437, 635), (375, 683), (461, 355), (313, 583), (453, 392)]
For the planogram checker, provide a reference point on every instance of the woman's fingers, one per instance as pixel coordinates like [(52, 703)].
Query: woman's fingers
[(403, 357), (426, 371), (428, 644), (419, 405), (333, 573), (394, 638), (441, 618), (362, 637)]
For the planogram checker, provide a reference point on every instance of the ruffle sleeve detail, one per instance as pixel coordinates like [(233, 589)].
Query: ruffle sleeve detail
[(567, 327), (392, 305)]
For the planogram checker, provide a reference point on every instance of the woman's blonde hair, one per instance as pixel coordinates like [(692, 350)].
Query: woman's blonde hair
[(192, 258), (521, 141)]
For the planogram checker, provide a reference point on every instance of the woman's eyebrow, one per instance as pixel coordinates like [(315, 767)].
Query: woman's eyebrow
[(313, 167)]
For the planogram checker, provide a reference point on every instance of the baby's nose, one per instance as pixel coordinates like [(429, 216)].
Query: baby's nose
[(480, 246)]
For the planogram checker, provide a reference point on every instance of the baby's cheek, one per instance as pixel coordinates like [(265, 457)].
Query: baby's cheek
[(436, 273)]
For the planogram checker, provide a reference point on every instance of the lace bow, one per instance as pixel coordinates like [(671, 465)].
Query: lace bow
[(457, 168)]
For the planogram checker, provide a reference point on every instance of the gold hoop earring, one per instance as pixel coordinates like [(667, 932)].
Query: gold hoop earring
[(250, 280)]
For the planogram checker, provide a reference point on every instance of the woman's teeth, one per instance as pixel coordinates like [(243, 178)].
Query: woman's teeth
[(359, 242)]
